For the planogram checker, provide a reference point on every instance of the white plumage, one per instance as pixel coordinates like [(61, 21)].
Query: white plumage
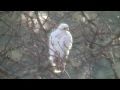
[(60, 43)]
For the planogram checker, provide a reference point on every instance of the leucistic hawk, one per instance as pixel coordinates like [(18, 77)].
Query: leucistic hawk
[(60, 43)]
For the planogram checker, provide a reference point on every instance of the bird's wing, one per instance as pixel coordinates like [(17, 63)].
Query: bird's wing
[(68, 41), (53, 41)]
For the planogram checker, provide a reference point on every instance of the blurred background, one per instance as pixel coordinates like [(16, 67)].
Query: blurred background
[(24, 44)]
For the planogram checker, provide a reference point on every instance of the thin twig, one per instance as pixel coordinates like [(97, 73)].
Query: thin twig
[(67, 74)]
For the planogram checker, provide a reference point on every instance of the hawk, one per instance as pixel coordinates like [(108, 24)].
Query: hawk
[(60, 44)]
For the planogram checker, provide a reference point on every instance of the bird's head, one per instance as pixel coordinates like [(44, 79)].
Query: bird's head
[(63, 26)]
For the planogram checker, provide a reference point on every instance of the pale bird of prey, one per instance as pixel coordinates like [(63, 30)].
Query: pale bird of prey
[(60, 44)]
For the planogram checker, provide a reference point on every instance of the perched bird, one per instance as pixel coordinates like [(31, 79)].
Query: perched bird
[(60, 44)]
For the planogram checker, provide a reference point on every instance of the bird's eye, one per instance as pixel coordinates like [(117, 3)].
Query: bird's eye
[(65, 28)]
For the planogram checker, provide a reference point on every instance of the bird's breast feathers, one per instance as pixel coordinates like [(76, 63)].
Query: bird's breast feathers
[(60, 37)]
